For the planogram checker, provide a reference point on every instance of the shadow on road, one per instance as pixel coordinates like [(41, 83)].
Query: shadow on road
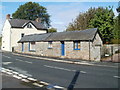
[(72, 84)]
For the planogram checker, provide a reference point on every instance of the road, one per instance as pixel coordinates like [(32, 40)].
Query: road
[(61, 74)]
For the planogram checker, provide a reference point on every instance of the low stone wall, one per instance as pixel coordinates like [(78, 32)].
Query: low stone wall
[(109, 49)]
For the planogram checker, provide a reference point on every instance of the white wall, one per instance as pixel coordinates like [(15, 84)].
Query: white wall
[(12, 35), (6, 36), (16, 34)]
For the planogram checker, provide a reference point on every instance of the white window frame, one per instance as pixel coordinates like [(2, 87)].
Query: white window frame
[(29, 26), (32, 46), (50, 44)]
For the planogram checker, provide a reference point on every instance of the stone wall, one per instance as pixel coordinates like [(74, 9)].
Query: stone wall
[(43, 50), (109, 49)]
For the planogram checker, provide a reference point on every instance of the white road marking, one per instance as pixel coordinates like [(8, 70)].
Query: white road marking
[(63, 69), (25, 80), (15, 76), (32, 79), (58, 87), (28, 62), (59, 68), (23, 61), (6, 63), (6, 56), (23, 76), (117, 77), (83, 72)]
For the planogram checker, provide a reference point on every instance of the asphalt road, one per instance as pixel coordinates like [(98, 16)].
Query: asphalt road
[(62, 73)]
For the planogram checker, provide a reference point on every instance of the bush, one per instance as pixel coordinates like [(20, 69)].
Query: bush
[(115, 41)]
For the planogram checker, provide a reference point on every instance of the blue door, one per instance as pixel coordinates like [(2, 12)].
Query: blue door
[(62, 48), (22, 47)]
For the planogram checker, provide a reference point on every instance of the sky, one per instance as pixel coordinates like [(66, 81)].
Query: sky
[(62, 13)]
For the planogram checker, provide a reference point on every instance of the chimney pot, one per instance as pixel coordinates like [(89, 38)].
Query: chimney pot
[(38, 20), (8, 16)]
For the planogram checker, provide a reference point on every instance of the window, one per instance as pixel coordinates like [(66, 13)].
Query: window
[(22, 47), (77, 45), (22, 35), (50, 44), (29, 26), (32, 46)]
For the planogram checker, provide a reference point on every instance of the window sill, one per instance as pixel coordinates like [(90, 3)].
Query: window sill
[(76, 49), (50, 48), (32, 51)]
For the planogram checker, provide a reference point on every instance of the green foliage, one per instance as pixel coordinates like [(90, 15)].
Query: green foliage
[(31, 11), (101, 18), (52, 30), (104, 21), (82, 20), (115, 41), (116, 30)]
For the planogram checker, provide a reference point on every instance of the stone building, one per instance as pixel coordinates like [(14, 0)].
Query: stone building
[(14, 29), (85, 44)]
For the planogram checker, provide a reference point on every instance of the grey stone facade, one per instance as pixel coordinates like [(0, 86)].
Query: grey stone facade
[(85, 45), (88, 51)]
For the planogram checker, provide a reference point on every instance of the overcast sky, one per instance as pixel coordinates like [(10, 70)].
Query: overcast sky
[(61, 12)]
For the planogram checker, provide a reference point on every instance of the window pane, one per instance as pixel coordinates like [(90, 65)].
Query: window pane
[(22, 35), (32, 46), (49, 44), (75, 45), (79, 45)]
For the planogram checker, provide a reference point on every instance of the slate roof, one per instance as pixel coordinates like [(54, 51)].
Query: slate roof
[(83, 35), (20, 23)]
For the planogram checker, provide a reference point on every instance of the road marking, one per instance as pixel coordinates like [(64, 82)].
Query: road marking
[(6, 63), (33, 81), (6, 56), (28, 62), (23, 61), (59, 68), (83, 72), (63, 69), (117, 77)]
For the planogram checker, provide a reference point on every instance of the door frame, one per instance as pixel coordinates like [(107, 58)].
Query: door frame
[(62, 48)]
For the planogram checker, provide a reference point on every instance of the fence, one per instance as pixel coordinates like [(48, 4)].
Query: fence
[(110, 52)]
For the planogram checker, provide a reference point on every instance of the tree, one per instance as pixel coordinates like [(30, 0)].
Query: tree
[(117, 26), (104, 21), (52, 30), (31, 11), (82, 20)]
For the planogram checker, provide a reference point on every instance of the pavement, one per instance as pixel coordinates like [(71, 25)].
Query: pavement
[(104, 63), (61, 72)]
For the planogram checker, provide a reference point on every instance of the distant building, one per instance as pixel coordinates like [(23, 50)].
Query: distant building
[(14, 29), (85, 44)]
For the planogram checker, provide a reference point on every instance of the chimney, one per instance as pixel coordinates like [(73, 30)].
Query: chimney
[(8, 16), (38, 20)]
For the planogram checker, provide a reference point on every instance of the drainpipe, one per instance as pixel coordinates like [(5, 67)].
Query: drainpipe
[(89, 50), (100, 53)]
